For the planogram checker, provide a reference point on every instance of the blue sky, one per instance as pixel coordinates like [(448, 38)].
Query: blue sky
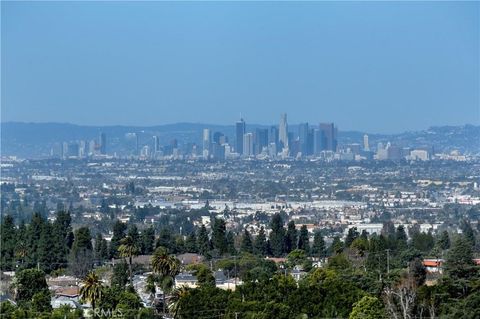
[(373, 66)]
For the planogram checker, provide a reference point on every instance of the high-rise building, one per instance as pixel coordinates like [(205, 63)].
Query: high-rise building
[(103, 143), (283, 131), (328, 137), (317, 141), (207, 141), (303, 132), (156, 144), (218, 151), (366, 146), (217, 136), (248, 144), (261, 139), (73, 149), (273, 136), (239, 133)]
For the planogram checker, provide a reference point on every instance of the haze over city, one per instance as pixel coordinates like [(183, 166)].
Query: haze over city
[(378, 67)]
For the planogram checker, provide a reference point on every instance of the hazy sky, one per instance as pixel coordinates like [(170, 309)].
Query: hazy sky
[(374, 66)]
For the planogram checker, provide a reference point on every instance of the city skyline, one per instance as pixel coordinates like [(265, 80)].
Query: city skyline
[(359, 65)]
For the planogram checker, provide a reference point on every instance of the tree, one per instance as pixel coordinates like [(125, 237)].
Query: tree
[(231, 243), (368, 308), (63, 228), (337, 245), (246, 245), (459, 260), (468, 232), (129, 249), (177, 295), (91, 289), (119, 230), (166, 266), (303, 239), (219, 239), (401, 237), (129, 302), (147, 240), (81, 255), (167, 240), (291, 237), (203, 242), (351, 236), (7, 243), (400, 298), (27, 283), (296, 257), (101, 248), (277, 236), (191, 243), (443, 240), (318, 248), (260, 245), (204, 275), (120, 275), (41, 302), (417, 271), (47, 257)]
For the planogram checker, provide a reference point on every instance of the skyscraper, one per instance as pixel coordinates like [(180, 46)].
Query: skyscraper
[(248, 144), (261, 139), (283, 131), (103, 143), (303, 137), (156, 144), (273, 136), (239, 133), (366, 147), (317, 141), (328, 137), (207, 140)]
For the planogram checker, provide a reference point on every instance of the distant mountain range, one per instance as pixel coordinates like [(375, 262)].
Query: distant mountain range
[(39, 140)]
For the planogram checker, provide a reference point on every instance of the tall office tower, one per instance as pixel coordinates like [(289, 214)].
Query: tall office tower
[(207, 140), (91, 147), (283, 131), (73, 149), (218, 151), (366, 147), (239, 133), (317, 141), (273, 135), (217, 136), (394, 152), (248, 144), (174, 143), (156, 144), (303, 137), (329, 137), (64, 150), (82, 152), (310, 142), (261, 139), (103, 143)]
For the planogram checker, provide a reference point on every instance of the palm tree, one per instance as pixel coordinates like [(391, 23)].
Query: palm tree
[(128, 249), (92, 289), (167, 266), (175, 300)]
